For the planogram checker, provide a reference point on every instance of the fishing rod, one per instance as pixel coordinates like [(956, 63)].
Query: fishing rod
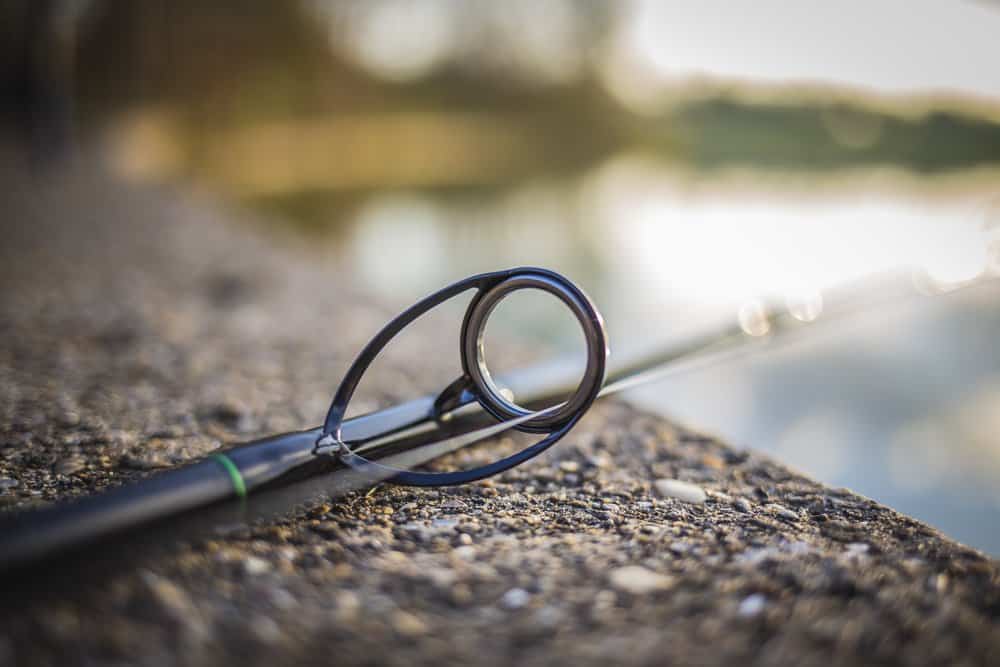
[(386, 445), (390, 445)]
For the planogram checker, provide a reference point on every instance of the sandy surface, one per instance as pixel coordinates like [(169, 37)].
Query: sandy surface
[(142, 328)]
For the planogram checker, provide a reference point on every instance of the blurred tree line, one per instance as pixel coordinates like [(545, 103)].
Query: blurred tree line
[(71, 68)]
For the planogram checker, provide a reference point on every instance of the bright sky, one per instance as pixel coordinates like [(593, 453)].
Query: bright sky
[(892, 46)]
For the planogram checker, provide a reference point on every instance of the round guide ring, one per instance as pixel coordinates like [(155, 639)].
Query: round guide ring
[(476, 383), (474, 365)]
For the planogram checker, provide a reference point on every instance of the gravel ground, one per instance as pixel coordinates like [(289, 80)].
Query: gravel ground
[(142, 328)]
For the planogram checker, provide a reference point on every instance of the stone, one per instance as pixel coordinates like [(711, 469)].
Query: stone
[(683, 491), (782, 512), (407, 624), (70, 465), (265, 630), (637, 580), (444, 525), (172, 598), (282, 599), (569, 466), (752, 605), (743, 505), (347, 606), (466, 552), (255, 566), (177, 605), (856, 548), (515, 598)]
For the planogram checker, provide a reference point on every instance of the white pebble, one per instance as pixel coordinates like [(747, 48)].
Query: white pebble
[(782, 512), (752, 605), (515, 598), (638, 580), (254, 566), (674, 488), (466, 552), (857, 548)]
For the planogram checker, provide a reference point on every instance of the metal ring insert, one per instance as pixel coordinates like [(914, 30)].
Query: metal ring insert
[(474, 364)]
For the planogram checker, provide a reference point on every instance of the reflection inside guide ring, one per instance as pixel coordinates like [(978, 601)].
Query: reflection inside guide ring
[(475, 386)]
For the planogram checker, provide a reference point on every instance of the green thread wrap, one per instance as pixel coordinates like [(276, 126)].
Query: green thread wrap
[(239, 486)]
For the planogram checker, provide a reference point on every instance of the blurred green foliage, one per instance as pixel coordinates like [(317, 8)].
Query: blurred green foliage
[(218, 67)]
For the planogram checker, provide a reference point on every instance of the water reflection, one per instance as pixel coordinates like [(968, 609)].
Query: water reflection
[(400, 240), (652, 242), (955, 448)]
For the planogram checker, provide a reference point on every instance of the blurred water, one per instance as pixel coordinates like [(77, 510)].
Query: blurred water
[(900, 402)]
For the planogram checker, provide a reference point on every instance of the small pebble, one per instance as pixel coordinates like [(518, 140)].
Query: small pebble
[(70, 465), (637, 580), (176, 604), (674, 488), (168, 594), (460, 594), (783, 512), (347, 606), (407, 624), (548, 617), (569, 466), (721, 497), (679, 547), (515, 598), (255, 566), (466, 552), (856, 548), (441, 577), (743, 505), (282, 599), (265, 630), (752, 605)]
